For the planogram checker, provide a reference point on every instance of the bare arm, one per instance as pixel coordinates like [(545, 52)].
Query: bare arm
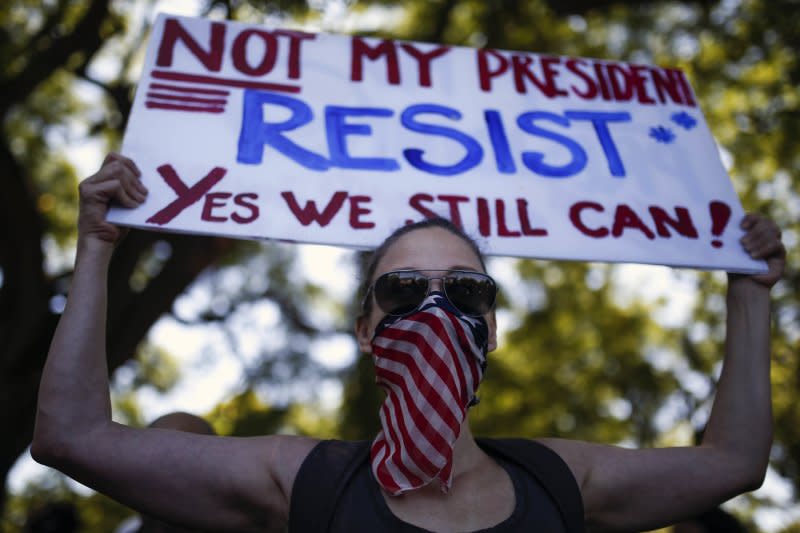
[(634, 490), (202, 481)]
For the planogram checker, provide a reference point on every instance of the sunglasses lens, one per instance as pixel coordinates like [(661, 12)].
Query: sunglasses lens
[(472, 293), (398, 293), (401, 292)]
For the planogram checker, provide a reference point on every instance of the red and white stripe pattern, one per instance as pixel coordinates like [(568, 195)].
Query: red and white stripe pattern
[(430, 363), (186, 97), (197, 93)]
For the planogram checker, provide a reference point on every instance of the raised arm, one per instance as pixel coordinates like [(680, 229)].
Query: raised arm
[(634, 490), (201, 481)]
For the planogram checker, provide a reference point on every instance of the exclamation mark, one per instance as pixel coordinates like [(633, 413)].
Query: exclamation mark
[(720, 215)]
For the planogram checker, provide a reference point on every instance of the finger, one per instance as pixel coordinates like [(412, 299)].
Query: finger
[(139, 185), (133, 186), (110, 156), (122, 196), (755, 238), (756, 221), (112, 169), (128, 162), (125, 200), (761, 230), (112, 191), (768, 249), (125, 169), (116, 170), (749, 220), (762, 247)]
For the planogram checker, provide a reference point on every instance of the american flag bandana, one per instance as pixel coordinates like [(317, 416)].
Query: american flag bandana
[(430, 364)]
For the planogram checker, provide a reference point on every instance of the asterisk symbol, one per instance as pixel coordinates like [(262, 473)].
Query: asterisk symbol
[(662, 134), (684, 119)]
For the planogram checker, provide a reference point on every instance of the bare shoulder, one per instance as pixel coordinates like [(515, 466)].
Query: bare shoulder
[(283, 455), (245, 477), (578, 455), (628, 488), (202, 481)]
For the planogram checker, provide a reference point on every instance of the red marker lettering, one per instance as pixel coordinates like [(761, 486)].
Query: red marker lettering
[(424, 60), (186, 195), (356, 211), (361, 48), (485, 72), (625, 217), (241, 200), (575, 215), (174, 32), (309, 213)]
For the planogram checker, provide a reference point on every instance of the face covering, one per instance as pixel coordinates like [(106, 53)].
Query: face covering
[(430, 364)]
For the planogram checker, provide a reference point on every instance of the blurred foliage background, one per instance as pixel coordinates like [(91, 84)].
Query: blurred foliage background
[(581, 357)]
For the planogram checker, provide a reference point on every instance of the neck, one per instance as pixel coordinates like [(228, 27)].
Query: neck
[(466, 452), (468, 458)]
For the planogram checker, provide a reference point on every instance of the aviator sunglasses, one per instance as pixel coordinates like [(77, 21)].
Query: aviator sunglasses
[(400, 292)]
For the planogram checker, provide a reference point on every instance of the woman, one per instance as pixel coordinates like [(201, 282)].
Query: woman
[(453, 484)]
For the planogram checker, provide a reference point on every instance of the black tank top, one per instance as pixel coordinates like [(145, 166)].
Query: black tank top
[(328, 496)]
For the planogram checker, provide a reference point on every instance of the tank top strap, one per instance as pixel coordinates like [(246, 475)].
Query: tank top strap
[(320, 481), (549, 469)]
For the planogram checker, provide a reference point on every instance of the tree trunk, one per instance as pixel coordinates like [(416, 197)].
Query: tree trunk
[(131, 314)]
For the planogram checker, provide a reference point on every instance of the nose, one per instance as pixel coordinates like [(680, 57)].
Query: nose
[(435, 284)]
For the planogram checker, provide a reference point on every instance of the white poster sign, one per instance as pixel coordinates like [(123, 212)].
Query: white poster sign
[(251, 132)]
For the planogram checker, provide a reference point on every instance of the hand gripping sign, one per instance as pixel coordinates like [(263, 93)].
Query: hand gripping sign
[(252, 132)]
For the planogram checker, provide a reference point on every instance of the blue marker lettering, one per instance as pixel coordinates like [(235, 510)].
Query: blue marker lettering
[(497, 134), (535, 160), (256, 133), (600, 122), (337, 129), (474, 153)]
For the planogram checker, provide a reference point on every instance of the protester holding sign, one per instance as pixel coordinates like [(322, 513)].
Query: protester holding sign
[(428, 321)]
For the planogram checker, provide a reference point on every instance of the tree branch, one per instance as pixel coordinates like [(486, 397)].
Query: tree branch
[(581, 7), (37, 41), (442, 20), (84, 38), (129, 320), (25, 290)]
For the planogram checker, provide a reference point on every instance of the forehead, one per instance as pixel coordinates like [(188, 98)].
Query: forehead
[(429, 249)]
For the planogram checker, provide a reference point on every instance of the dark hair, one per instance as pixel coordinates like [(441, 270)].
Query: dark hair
[(369, 261)]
